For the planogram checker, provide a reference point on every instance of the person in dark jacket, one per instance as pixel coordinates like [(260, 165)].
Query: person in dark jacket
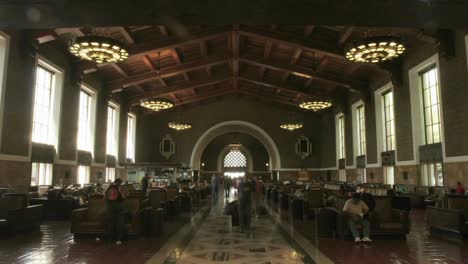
[(114, 197), (145, 183), (227, 186), (246, 190)]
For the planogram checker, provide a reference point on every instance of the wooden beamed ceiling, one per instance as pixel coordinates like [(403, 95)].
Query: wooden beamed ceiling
[(281, 64)]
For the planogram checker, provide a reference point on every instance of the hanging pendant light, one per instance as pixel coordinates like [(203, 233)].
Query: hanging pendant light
[(375, 49), (179, 125), (98, 49), (291, 126), (156, 103), (316, 104)]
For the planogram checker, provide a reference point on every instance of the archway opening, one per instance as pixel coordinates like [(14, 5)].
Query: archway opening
[(274, 160)]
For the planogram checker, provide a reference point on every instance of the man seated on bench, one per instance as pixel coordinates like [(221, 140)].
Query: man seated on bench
[(356, 209)]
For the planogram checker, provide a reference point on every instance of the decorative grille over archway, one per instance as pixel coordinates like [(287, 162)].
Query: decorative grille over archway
[(235, 159)]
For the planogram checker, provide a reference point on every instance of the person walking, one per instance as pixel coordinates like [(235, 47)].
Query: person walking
[(246, 190), (114, 197), (214, 188), (145, 183), (227, 186)]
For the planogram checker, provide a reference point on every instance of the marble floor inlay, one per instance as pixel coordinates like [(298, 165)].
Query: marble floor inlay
[(217, 241)]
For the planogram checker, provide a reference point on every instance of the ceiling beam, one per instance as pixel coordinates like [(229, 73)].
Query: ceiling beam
[(274, 86), (322, 64), (175, 54), (183, 87), (294, 41), (200, 98), (269, 97), (345, 35), (352, 85), (203, 48), (118, 85), (147, 61), (296, 55), (127, 35), (124, 74), (172, 42), (261, 73), (163, 30), (268, 48), (308, 30)]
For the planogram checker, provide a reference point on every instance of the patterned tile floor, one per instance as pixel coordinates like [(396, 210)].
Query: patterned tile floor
[(217, 241)]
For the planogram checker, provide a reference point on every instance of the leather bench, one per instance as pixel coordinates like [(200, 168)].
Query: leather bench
[(16, 215)]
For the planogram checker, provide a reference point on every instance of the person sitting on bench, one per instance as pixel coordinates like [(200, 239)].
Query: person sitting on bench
[(356, 209)]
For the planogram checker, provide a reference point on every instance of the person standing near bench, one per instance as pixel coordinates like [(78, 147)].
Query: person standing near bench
[(114, 197), (356, 209)]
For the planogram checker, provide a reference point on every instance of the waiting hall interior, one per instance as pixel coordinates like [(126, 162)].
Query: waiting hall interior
[(234, 131)]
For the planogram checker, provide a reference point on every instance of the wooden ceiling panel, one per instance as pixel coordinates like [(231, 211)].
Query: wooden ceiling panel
[(273, 75), (190, 52), (217, 46), (283, 63), (136, 68), (199, 74), (220, 70), (165, 59), (174, 80)]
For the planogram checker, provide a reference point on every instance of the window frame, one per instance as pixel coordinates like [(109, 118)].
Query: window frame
[(340, 137), (424, 105), (56, 104), (44, 173), (108, 170), (361, 129), (131, 137), (389, 122), (230, 153), (92, 117), (416, 100), (385, 171), (4, 55), (115, 137), (87, 176)]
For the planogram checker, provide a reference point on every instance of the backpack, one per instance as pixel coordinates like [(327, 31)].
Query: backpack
[(112, 194)]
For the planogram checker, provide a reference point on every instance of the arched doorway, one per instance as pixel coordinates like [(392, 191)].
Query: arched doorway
[(236, 126)]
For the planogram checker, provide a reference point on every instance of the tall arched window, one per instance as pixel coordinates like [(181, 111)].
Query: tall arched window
[(235, 159)]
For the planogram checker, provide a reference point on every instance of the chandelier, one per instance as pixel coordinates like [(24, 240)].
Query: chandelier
[(291, 126), (156, 104), (98, 49), (316, 105), (375, 49), (179, 125)]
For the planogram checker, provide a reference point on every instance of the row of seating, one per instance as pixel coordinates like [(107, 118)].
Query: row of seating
[(324, 205), (450, 220), (16, 214), (146, 214)]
